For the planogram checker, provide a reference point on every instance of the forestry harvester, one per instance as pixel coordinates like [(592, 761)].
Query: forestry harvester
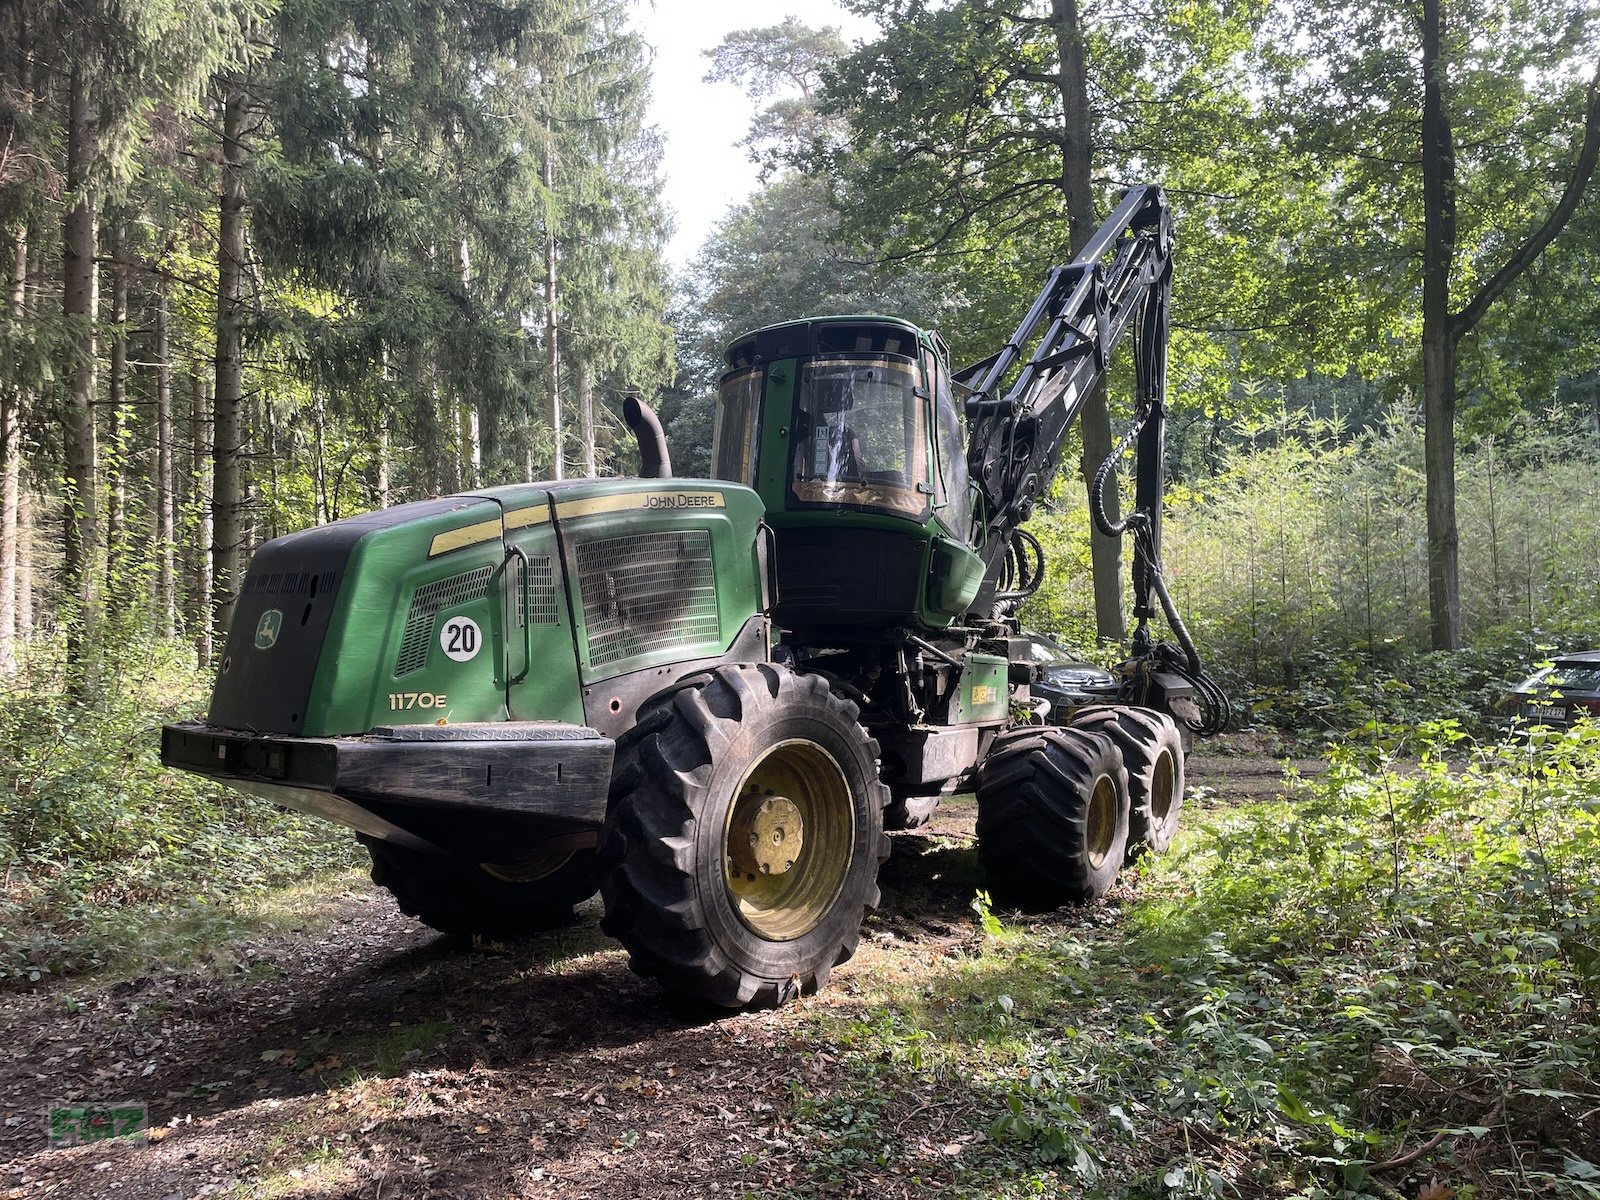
[(706, 698)]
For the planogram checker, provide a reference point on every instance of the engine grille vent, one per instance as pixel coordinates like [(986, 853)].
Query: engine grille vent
[(291, 583), (541, 591), (538, 604), (425, 606), (646, 591)]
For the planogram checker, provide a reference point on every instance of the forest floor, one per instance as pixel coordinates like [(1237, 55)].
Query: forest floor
[(357, 1054)]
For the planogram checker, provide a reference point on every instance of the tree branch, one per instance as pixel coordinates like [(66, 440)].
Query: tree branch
[(1523, 258)]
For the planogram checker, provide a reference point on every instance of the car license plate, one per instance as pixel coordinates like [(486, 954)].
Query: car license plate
[(1544, 712)]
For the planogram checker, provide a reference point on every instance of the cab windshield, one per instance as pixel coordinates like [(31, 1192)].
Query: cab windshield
[(858, 436)]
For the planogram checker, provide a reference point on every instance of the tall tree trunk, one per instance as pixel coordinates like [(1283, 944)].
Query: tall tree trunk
[(383, 453), (26, 511), (552, 353), (200, 536), (117, 425), (433, 454), (165, 506), (227, 420), (1439, 340), (1442, 330), (471, 445), (319, 460), (1094, 420), (82, 529), (467, 422), (11, 464), (586, 416)]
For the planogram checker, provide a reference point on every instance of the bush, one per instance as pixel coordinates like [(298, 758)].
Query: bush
[(1301, 569), (1411, 947), (98, 842), (1386, 984)]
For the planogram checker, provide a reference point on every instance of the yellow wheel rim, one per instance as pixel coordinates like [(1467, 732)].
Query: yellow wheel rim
[(530, 868), (788, 840), (1163, 785), (1100, 823)]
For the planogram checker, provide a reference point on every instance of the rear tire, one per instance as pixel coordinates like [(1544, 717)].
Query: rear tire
[(1152, 752), (908, 810), (1052, 816), (462, 898), (744, 838)]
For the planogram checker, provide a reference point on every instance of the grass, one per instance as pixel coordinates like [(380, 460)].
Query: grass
[(391, 1052), (1301, 998), (110, 861)]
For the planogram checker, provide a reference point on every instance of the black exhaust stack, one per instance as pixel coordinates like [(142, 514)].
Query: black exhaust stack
[(654, 461)]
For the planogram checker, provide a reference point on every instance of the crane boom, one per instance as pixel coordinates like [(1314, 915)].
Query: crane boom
[(1020, 414)]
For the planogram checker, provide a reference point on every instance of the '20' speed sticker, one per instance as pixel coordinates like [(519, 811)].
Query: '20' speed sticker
[(461, 639)]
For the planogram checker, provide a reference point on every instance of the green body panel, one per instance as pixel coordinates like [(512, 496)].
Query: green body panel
[(772, 463), (355, 683), (538, 665), (982, 694), (534, 655), (955, 574), (676, 517)]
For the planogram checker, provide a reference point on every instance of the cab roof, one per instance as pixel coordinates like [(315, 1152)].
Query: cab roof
[(866, 333)]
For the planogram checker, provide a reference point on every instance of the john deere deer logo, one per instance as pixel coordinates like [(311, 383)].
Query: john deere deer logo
[(267, 629)]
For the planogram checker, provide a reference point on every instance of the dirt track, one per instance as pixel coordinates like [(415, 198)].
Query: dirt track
[(376, 1059)]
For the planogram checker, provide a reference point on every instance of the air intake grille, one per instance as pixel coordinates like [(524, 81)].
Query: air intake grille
[(291, 583), (646, 591), (426, 604), (541, 594)]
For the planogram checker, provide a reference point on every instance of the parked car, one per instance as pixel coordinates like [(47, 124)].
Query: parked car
[(1559, 694), (1067, 682)]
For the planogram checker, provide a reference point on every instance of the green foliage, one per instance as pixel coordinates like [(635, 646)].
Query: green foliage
[(1346, 92), (1300, 567), (100, 844), (1302, 992), (782, 64), (958, 135)]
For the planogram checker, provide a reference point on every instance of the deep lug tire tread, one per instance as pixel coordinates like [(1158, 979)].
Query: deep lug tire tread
[(668, 908), (1033, 802), (1143, 735), (460, 898), (908, 810)]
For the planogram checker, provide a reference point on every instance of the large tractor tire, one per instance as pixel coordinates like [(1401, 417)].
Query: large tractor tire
[(909, 809), (745, 834), (462, 898), (1152, 751), (1052, 816)]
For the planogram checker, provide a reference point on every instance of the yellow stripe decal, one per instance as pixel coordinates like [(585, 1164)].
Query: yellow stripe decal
[(467, 535), (522, 518), (634, 501), (538, 514)]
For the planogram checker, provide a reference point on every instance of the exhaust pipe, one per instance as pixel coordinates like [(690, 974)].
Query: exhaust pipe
[(654, 461)]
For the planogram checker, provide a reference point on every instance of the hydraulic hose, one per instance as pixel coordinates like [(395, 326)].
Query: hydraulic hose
[(1216, 708), (1097, 505), (1024, 568)]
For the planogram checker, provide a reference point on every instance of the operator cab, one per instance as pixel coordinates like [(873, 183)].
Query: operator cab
[(847, 429)]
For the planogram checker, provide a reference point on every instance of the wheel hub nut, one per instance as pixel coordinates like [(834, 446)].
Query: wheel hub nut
[(766, 835)]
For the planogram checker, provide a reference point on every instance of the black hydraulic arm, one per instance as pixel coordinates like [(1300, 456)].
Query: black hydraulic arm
[(1020, 415)]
